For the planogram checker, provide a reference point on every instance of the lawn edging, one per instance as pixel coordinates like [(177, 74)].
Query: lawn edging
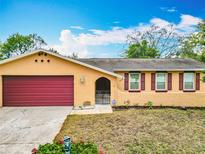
[(116, 108)]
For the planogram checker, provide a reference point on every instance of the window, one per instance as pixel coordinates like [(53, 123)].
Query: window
[(161, 79), (189, 81), (134, 80)]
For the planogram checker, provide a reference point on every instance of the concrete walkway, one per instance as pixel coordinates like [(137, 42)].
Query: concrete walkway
[(23, 128)]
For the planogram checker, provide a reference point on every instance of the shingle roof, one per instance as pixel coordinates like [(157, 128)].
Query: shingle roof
[(2, 62), (124, 64)]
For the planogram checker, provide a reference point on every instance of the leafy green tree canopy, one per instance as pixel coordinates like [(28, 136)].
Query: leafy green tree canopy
[(193, 46), (153, 42), (141, 50), (17, 44)]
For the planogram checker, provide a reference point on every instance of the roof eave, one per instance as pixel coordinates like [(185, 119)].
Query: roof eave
[(193, 69), (62, 57)]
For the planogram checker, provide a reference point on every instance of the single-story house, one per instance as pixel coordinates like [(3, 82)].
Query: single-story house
[(44, 78)]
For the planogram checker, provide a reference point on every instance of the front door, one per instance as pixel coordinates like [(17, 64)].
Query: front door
[(102, 95)]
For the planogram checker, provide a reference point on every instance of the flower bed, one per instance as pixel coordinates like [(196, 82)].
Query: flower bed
[(58, 148)]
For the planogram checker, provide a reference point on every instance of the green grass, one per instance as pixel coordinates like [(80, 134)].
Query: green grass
[(140, 131)]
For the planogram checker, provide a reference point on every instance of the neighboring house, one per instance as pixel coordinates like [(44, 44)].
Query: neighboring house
[(43, 78)]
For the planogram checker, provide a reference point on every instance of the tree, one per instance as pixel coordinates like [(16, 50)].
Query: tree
[(141, 50), (161, 42), (201, 28), (74, 56), (193, 46), (18, 44)]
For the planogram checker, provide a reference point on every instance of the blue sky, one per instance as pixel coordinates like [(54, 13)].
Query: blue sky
[(94, 28)]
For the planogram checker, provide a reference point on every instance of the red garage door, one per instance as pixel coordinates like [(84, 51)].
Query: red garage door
[(38, 90)]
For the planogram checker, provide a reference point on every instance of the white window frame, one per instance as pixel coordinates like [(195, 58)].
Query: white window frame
[(139, 82), (193, 81), (166, 79)]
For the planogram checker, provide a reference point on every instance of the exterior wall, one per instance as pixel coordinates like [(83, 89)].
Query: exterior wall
[(173, 97), (86, 91), (82, 91)]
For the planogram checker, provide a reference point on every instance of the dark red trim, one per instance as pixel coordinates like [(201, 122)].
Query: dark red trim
[(189, 90), (142, 81), (134, 91), (169, 86), (126, 81), (152, 81), (161, 91), (181, 76), (197, 81)]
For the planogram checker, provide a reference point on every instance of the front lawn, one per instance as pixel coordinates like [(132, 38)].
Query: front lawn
[(140, 131)]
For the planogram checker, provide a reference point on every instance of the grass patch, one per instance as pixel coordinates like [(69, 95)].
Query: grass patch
[(140, 131)]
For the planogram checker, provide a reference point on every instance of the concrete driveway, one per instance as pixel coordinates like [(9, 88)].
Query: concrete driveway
[(23, 128)]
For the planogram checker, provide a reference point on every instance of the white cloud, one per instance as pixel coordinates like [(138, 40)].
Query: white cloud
[(159, 22), (117, 35), (170, 10), (70, 44), (77, 27), (173, 9), (188, 20), (187, 24)]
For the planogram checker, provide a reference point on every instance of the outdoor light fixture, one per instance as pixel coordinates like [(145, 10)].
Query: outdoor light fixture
[(82, 79)]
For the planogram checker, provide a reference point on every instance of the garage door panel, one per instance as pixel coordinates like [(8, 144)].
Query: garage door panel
[(39, 102), (38, 90), (34, 98), (35, 90), (37, 94), (38, 83), (18, 104)]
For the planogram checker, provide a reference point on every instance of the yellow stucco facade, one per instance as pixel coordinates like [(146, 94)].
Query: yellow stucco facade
[(174, 97), (26, 66), (57, 66)]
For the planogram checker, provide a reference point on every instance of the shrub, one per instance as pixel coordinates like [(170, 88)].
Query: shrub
[(51, 149), (76, 148), (149, 104), (84, 148)]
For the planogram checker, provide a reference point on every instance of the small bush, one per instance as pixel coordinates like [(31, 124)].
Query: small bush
[(84, 148), (76, 148), (51, 149), (149, 104)]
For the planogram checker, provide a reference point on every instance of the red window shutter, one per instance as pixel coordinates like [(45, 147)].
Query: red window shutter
[(180, 81), (153, 81), (126, 81), (197, 81), (142, 81), (169, 81)]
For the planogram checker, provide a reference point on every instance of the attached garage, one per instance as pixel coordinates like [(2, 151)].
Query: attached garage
[(38, 91), (44, 78)]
